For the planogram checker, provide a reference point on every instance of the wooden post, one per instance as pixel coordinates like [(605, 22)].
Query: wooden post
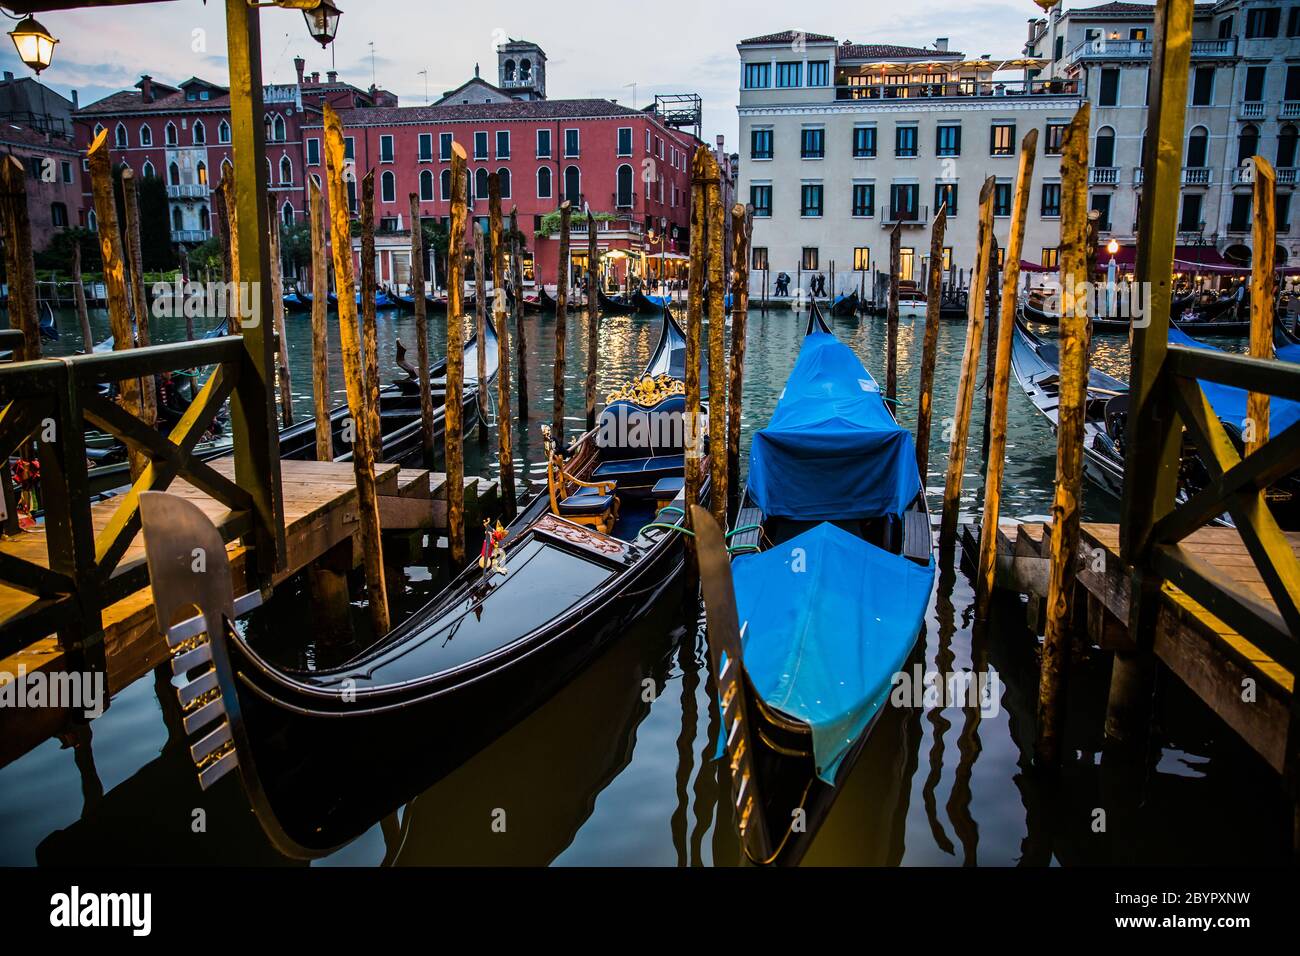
[(1151, 468), (521, 334), (480, 327), (320, 359), (79, 298), (221, 233), (277, 309), (504, 425), (21, 267), (999, 382), (933, 303), (1073, 345), (110, 251), (704, 170), (1262, 294), (561, 327), (363, 463), (453, 431), (891, 345), (593, 319), (991, 343), (369, 332), (234, 298), (969, 369), (740, 226), (139, 301), (717, 347), (421, 331)]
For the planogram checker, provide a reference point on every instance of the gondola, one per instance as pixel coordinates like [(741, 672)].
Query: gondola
[(817, 597), (545, 301), (574, 569), (1213, 319), (49, 325), (1285, 343), (404, 301), (650, 304), (297, 302), (845, 305), (614, 304)]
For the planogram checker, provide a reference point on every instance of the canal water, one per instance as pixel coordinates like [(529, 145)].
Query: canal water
[(606, 773)]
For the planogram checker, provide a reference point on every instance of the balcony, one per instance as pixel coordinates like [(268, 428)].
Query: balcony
[(187, 190), (1137, 175), (190, 236), (1251, 110), (1286, 175), (1243, 175), (1197, 175), (1103, 176), (1290, 109), (957, 90), (1104, 48), (627, 226), (907, 217)]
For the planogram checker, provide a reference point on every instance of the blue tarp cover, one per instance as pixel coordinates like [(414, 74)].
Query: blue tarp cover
[(1288, 353), (1229, 403), (829, 620), (832, 450)]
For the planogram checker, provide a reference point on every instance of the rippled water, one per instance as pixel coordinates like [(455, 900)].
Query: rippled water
[(601, 775)]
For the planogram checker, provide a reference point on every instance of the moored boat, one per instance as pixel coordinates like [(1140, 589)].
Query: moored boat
[(614, 304), (829, 566), (845, 305)]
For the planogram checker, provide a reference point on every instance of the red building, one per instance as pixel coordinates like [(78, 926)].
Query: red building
[(53, 167)]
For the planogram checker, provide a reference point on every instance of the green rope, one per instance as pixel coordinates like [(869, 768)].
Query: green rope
[(668, 527), (748, 527), (743, 549)]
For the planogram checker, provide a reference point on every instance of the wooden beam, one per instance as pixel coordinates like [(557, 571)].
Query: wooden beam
[(454, 403), (930, 346), (480, 329), (717, 347), (283, 376), (740, 232), (1262, 295), (505, 425), (369, 329), (320, 357), (421, 331)]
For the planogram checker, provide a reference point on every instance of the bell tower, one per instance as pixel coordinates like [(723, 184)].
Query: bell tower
[(521, 69)]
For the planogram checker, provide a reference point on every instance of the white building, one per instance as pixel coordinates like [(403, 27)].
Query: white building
[(839, 141), (1243, 100)]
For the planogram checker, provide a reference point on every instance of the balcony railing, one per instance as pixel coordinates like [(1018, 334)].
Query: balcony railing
[(1290, 109), (608, 225), (187, 190), (1104, 175), (1197, 175), (1243, 175), (908, 217), (1137, 175), (1104, 48), (958, 89), (1252, 110), (190, 235), (1286, 175)]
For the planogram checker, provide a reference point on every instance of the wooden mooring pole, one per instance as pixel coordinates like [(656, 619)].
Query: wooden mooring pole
[(320, 358), (453, 430), (991, 343), (521, 333), (421, 332), (561, 327), (369, 330), (277, 309), (480, 330), (235, 299), (703, 169), (79, 299), (999, 382), (717, 349), (363, 462), (139, 300), (960, 425), (593, 319), (1262, 294), (930, 347), (1073, 346), (891, 324), (504, 423), (740, 229), (19, 262)]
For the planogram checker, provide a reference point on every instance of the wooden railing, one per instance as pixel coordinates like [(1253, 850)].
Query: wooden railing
[(47, 404)]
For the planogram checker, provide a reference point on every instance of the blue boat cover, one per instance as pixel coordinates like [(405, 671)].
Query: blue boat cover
[(1229, 403), (829, 620), (1288, 353), (832, 450)]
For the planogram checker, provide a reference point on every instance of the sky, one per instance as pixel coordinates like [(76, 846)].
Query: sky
[(671, 46)]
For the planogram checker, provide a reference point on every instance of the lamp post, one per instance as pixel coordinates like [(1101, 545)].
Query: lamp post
[(34, 43), (322, 22), (1111, 269)]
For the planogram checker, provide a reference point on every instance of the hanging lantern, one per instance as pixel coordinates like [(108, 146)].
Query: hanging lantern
[(34, 43), (323, 22)]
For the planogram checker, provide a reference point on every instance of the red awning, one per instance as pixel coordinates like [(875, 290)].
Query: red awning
[(1027, 266)]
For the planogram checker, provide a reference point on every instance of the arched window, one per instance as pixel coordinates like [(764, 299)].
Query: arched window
[(205, 219), (277, 129), (525, 69), (286, 170), (174, 174), (426, 185), (227, 168), (481, 183), (147, 170), (223, 132), (509, 70), (199, 132), (1247, 143), (388, 187), (316, 180), (573, 185), (1198, 148), (623, 199), (1286, 146), (286, 213), (503, 176), (146, 135), (270, 177), (201, 173), (444, 184), (169, 133), (119, 136), (178, 221), (92, 221), (1104, 151), (543, 182), (99, 128)]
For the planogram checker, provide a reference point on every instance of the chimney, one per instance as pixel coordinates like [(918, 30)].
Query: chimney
[(9, 76), (941, 44), (76, 101), (332, 76), (315, 76), (299, 64), (146, 88)]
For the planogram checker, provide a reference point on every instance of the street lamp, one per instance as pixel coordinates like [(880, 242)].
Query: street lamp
[(34, 43), (322, 22), (1113, 248)]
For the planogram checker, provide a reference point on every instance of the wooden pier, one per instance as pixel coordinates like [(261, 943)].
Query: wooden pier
[(321, 519)]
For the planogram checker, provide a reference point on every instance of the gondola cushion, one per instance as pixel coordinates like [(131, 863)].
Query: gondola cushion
[(638, 472), (586, 505), (628, 431)]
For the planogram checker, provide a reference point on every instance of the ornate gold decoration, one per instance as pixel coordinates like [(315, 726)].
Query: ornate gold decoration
[(647, 391)]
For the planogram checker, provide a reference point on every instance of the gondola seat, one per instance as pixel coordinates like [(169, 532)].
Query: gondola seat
[(586, 505), (590, 503), (641, 472)]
